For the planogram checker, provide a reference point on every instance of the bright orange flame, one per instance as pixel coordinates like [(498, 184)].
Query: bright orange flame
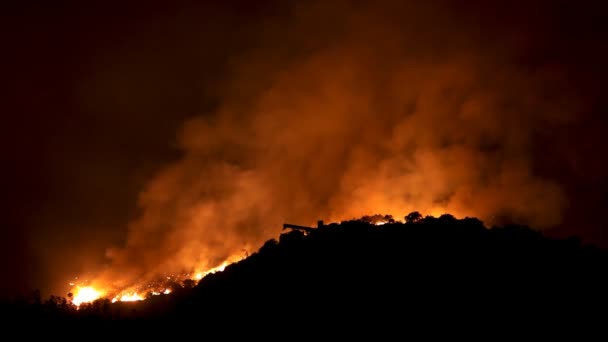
[(85, 294), (219, 268), (137, 292), (128, 297), (199, 274)]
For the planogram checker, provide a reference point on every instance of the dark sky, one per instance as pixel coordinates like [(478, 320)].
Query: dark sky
[(104, 104)]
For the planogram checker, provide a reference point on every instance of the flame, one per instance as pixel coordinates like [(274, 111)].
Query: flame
[(219, 268), (137, 292), (85, 294), (128, 297), (161, 286), (198, 275)]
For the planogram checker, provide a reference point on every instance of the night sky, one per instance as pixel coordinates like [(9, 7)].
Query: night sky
[(143, 137)]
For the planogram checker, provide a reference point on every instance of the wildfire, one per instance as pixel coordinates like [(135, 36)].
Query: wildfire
[(128, 297), (219, 268), (85, 294), (163, 285)]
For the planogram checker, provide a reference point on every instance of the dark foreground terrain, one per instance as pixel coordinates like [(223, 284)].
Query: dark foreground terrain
[(427, 269)]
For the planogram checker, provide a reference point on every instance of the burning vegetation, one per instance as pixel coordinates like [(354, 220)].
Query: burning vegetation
[(330, 109), (342, 125), (162, 285), (365, 269), (89, 291)]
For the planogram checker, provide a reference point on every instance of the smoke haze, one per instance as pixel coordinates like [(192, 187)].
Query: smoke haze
[(157, 138), (386, 113)]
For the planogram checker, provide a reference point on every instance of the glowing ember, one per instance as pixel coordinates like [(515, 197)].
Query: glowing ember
[(137, 292), (128, 297), (164, 283), (85, 294), (220, 268), (199, 275)]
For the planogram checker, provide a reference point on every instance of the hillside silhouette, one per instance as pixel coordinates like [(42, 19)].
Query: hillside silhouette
[(359, 271)]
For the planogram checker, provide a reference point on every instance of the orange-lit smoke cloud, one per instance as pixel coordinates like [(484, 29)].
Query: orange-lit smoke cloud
[(342, 111)]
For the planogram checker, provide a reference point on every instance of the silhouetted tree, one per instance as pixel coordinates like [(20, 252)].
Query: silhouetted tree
[(377, 218), (472, 222), (413, 217), (189, 283), (448, 218)]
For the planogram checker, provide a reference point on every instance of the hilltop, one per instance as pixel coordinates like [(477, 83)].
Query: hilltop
[(434, 267)]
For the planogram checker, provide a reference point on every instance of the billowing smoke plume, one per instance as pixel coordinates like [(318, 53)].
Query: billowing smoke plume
[(339, 111)]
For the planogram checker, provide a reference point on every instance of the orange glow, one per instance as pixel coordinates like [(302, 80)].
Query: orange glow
[(138, 291), (219, 268), (162, 285), (436, 212), (352, 126), (128, 297), (85, 294), (198, 275)]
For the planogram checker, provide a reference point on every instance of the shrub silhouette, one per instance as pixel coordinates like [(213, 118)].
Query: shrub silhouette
[(357, 270)]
